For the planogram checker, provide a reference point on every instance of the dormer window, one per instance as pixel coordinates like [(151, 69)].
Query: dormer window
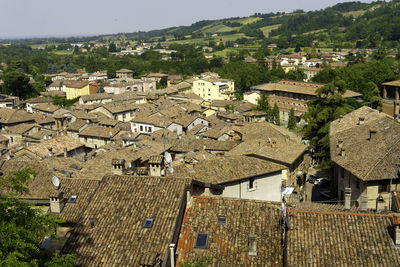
[(148, 223)]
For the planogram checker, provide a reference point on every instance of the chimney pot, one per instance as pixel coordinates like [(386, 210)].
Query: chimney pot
[(347, 198)]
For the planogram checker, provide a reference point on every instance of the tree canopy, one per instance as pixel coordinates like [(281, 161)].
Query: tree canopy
[(23, 227)]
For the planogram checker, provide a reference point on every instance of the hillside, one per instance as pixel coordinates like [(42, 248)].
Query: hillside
[(344, 25)]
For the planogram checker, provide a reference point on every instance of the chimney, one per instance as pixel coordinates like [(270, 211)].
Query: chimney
[(57, 202), (372, 134), (347, 198), (396, 229), (361, 120), (364, 202), (342, 152), (65, 152), (118, 166)]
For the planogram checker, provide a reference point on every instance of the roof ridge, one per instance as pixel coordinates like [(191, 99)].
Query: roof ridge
[(342, 213)]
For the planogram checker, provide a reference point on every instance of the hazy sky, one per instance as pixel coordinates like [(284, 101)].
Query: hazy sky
[(27, 18)]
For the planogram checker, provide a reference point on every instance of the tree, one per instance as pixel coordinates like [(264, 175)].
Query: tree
[(230, 108), (111, 71), (292, 120), (263, 105), (112, 47), (275, 115), (22, 227), (17, 84), (162, 83), (329, 106)]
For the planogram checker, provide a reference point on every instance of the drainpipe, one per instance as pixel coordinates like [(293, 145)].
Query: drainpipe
[(172, 254)]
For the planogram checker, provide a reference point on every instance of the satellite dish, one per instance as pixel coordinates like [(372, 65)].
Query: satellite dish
[(55, 181)]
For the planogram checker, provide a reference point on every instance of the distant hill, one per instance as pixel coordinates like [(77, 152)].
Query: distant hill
[(350, 24)]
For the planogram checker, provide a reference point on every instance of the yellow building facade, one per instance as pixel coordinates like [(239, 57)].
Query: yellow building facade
[(77, 89)]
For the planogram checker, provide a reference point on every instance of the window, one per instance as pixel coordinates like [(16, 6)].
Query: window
[(251, 184), (384, 186), (141, 128), (149, 129), (12, 139), (85, 139), (201, 241), (252, 245), (148, 223), (221, 219), (116, 116), (123, 116)]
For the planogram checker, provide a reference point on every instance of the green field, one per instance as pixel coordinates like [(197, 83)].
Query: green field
[(230, 37), (216, 28), (355, 14), (62, 52), (247, 20), (267, 29)]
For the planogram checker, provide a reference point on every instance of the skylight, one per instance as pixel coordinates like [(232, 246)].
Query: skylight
[(201, 241), (72, 199), (221, 219), (148, 223)]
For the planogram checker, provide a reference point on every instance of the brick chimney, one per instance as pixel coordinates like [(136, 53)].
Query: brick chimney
[(347, 198), (65, 152), (118, 166), (361, 120), (57, 201)]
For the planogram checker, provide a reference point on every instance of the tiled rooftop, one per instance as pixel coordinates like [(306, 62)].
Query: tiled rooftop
[(111, 231), (228, 243)]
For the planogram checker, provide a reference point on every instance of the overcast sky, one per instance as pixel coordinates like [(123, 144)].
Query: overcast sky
[(28, 18)]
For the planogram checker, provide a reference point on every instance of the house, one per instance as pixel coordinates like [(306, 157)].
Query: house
[(8, 101), (295, 59), (292, 95), (11, 117), (231, 232), (310, 73), (29, 103), (149, 124), (16, 134), (240, 176), (210, 88), (58, 146), (74, 89), (45, 108), (142, 218), (100, 98), (124, 73), (390, 98), (121, 111), (57, 85), (97, 136), (74, 128), (364, 147)]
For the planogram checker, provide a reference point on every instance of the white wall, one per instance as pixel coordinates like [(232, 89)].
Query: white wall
[(266, 187)]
